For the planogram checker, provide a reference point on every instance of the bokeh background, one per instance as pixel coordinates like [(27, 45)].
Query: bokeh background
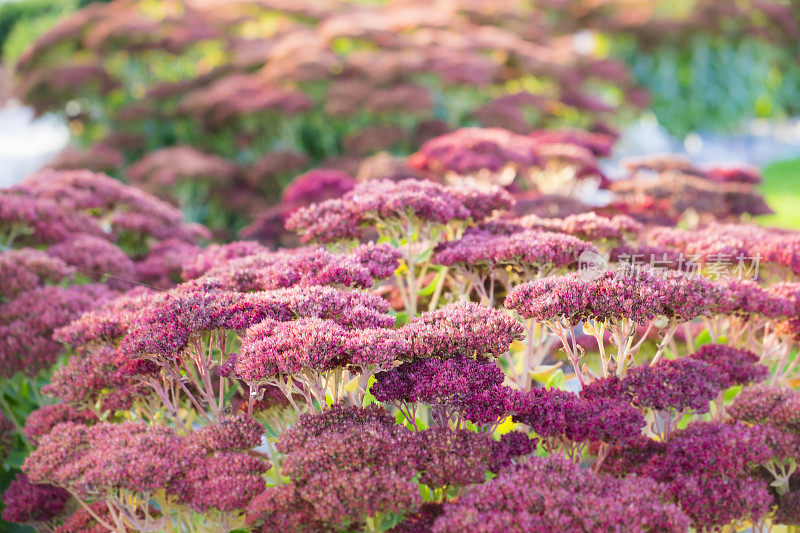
[(199, 100)]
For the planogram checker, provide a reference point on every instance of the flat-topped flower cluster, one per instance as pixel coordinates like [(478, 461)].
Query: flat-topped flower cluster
[(444, 363)]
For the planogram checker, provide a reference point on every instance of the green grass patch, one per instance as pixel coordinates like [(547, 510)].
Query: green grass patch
[(781, 190)]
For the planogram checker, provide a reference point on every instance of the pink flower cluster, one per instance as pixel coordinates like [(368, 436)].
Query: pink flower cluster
[(374, 201)]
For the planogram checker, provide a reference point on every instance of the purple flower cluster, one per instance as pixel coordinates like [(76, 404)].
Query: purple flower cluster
[(27, 268), (565, 496), (462, 328), (469, 150), (670, 385), (373, 201), (345, 465), (735, 366), (562, 416), (290, 268), (639, 296), (27, 324), (734, 241), (31, 503), (588, 226), (528, 251), (467, 387), (772, 406), (271, 349), (132, 458), (41, 421)]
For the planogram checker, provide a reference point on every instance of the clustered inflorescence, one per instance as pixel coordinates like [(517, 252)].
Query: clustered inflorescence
[(452, 341)]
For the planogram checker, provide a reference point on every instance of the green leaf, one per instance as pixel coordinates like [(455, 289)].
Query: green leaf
[(428, 290), (368, 399), (556, 381), (703, 338), (401, 318)]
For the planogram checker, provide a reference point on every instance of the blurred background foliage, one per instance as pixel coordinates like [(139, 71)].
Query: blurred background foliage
[(23, 21), (274, 89)]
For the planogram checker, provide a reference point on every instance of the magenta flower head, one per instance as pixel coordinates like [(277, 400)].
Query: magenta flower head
[(283, 507), (163, 265), (93, 377), (317, 185), (132, 212), (470, 150), (326, 454), (600, 144), (589, 226), (774, 406), (97, 259), (382, 200), (108, 322), (676, 384), (551, 298), (27, 324), (236, 433), (470, 387), (758, 404), (555, 414), (735, 366), (709, 448), (747, 299), (350, 309), (684, 297), (270, 349), (530, 250), (289, 268), (225, 481), (566, 496), (462, 328), (714, 502), (337, 418), (44, 419), (452, 457), (166, 325), (92, 459), (161, 170), (706, 469), (28, 268), (216, 255), (32, 220), (31, 503), (380, 259), (639, 296)]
